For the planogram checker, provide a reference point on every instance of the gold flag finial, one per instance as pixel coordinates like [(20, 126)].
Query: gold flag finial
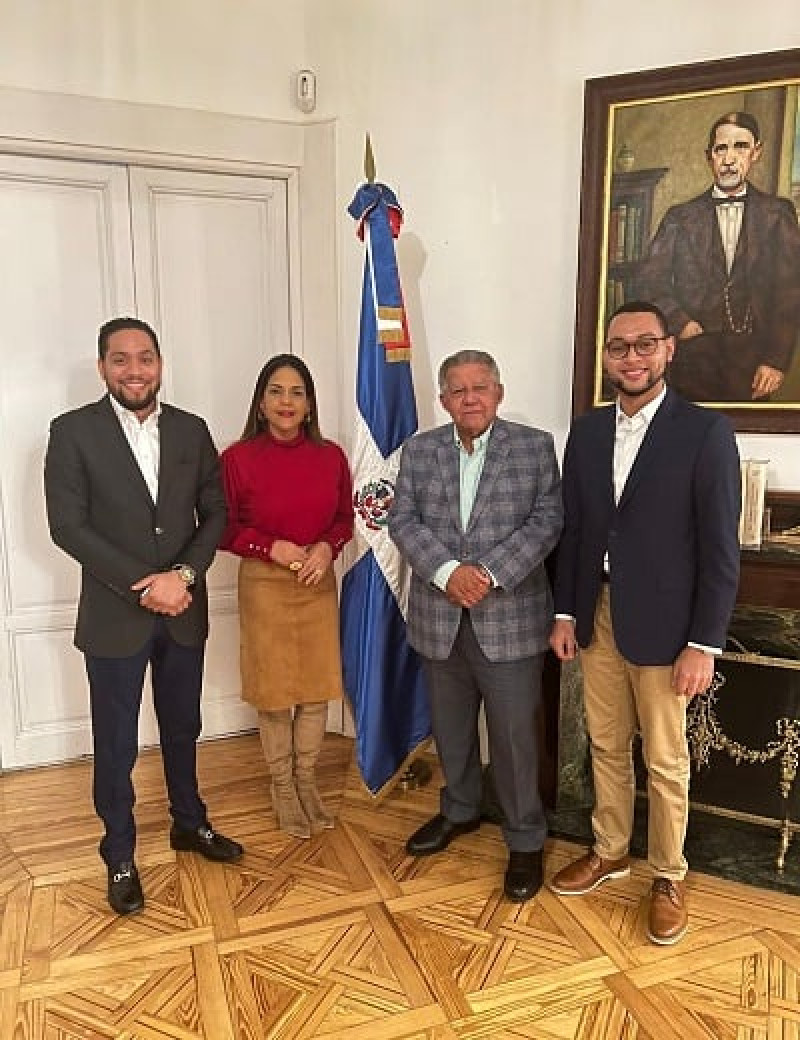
[(369, 161)]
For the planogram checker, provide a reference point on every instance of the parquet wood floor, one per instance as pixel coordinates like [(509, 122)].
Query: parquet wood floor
[(346, 936)]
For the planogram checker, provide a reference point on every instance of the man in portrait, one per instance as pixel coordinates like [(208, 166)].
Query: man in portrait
[(724, 268)]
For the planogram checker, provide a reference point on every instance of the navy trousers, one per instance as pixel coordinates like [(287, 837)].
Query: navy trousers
[(115, 691)]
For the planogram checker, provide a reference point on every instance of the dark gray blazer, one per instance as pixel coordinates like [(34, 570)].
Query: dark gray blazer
[(100, 512), (515, 522)]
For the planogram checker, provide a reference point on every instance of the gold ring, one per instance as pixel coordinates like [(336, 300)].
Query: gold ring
[(295, 565)]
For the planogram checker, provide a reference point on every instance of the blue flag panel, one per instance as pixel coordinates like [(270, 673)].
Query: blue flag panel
[(383, 676)]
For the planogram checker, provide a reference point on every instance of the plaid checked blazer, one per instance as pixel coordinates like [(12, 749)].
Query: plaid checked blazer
[(515, 522)]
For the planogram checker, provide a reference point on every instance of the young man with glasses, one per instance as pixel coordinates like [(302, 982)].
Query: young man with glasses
[(646, 580)]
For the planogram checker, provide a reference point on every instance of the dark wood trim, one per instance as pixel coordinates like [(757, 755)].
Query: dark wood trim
[(770, 577), (784, 507)]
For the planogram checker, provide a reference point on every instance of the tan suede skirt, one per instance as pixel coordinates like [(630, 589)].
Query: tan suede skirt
[(289, 637)]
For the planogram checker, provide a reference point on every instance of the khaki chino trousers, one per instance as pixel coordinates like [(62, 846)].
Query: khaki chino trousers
[(622, 698)]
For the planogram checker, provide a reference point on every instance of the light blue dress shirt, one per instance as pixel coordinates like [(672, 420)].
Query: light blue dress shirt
[(470, 468)]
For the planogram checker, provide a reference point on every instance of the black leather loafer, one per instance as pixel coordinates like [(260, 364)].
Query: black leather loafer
[(524, 875), (207, 842), (436, 835), (125, 894)]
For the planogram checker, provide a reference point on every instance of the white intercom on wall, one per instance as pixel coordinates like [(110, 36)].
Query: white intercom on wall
[(306, 90)]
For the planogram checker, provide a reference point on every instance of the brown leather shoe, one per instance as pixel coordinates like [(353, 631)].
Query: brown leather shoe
[(586, 873), (669, 917)]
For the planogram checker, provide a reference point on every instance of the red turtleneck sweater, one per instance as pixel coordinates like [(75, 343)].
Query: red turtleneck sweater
[(296, 490)]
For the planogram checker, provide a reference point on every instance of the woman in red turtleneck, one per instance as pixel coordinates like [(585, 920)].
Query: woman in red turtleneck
[(290, 512)]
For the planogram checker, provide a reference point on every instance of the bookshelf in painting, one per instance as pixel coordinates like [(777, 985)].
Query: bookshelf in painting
[(629, 229)]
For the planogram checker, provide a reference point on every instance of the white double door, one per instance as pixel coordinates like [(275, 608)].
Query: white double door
[(204, 258)]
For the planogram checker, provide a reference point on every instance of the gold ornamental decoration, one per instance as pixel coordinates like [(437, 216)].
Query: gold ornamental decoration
[(705, 734)]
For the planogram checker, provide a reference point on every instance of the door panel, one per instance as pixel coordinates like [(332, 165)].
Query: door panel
[(212, 274), (65, 240), (207, 264)]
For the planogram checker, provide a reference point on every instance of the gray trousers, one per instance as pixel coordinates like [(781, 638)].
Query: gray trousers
[(511, 692)]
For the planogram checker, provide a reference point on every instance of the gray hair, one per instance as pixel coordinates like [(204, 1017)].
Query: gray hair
[(467, 357)]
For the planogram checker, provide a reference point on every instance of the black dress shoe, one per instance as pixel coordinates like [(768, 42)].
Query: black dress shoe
[(437, 834), (207, 842), (524, 875), (125, 894)]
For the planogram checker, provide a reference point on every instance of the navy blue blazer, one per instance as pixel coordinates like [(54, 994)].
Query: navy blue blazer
[(672, 540)]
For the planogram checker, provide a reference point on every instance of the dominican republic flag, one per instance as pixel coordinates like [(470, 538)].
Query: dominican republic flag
[(382, 674)]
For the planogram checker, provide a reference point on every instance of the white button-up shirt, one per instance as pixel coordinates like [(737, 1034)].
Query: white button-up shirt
[(729, 219), (143, 439)]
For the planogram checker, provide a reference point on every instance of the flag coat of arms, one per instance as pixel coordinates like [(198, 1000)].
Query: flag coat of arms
[(382, 674)]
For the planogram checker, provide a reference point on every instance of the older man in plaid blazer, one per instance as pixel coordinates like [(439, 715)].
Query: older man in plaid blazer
[(477, 509)]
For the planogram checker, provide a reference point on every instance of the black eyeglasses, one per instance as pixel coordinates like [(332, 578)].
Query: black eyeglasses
[(642, 346)]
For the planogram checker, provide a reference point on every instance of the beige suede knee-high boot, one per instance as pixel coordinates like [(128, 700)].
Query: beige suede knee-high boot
[(309, 731), (275, 730)]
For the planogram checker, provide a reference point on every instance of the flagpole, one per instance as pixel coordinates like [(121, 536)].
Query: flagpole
[(418, 772), (369, 161), (383, 675)]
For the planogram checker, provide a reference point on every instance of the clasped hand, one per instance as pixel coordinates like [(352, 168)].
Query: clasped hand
[(467, 585), (163, 593), (309, 562)]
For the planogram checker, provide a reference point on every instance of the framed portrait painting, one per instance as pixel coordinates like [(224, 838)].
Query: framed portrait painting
[(690, 199)]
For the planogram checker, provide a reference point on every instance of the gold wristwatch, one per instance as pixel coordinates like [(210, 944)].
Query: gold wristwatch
[(186, 573)]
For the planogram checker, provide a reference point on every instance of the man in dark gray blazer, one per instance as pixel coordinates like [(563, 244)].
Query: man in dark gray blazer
[(477, 509), (646, 579), (134, 495)]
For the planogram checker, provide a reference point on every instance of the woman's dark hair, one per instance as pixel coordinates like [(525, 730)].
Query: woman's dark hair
[(256, 423)]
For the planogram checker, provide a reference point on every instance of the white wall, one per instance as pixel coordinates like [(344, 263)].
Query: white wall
[(222, 55), (475, 107)]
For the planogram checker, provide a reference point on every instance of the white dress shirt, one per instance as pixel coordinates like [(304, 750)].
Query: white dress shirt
[(144, 441), (630, 431), (729, 219)]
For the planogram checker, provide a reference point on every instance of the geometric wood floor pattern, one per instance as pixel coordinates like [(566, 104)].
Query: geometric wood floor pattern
[(346, 936)]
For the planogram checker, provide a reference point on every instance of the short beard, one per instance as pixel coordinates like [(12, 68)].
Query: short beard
[(654, 380), (136, 406)]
